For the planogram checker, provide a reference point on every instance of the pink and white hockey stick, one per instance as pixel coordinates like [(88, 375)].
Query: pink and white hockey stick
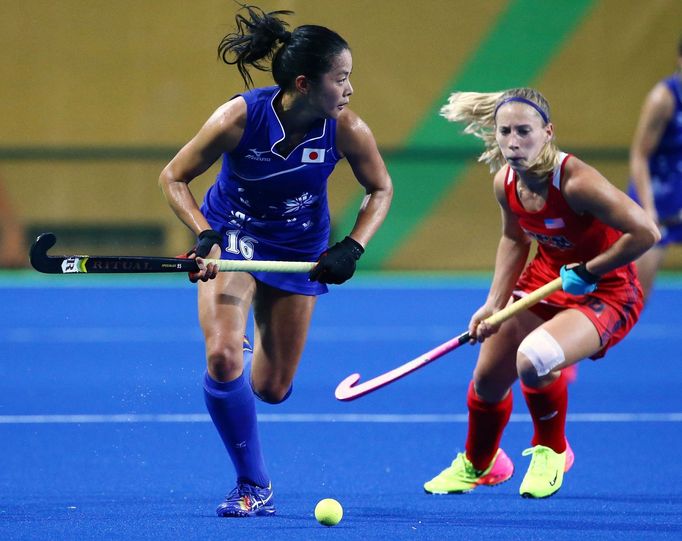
[(349, 389)]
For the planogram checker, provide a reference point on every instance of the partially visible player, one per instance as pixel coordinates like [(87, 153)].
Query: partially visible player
[(656, 168), (587, 231), (279, 144)]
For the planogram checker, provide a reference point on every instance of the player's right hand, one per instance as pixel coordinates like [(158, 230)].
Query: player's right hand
[(479, 330), (207, 271), (208, 245)]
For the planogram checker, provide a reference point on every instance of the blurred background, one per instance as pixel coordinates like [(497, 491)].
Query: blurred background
[(96, 96)]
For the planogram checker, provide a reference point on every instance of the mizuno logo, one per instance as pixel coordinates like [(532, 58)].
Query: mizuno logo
[(257, 155)]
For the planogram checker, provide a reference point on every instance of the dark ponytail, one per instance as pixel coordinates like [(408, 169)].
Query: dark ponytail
[(308, 50), (254, 41)]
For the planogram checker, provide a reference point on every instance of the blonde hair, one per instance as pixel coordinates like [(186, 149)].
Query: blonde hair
[(478, 110)]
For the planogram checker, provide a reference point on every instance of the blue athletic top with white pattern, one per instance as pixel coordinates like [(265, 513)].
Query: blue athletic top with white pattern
[(273, 203), (665, 166)]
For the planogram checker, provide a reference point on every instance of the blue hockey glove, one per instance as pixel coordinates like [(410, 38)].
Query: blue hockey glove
[(578, 280)]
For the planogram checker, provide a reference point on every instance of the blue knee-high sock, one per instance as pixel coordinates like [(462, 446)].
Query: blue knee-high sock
[(233, 410)]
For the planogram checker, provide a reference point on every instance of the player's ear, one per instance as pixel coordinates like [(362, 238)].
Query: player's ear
[(302, 84), (549, 130)]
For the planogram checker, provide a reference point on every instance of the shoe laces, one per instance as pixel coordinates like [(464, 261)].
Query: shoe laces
[(244, 490), (462, 464), (540, 459)]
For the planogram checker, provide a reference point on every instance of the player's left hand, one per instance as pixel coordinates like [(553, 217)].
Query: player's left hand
[(577, 280), (337, 264)]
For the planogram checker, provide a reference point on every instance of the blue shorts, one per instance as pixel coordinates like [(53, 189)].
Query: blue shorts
[(670, 234), (265, 250)]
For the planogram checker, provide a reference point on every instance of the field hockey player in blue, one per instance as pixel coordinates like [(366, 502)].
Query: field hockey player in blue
[(656, 168), (279, 145)]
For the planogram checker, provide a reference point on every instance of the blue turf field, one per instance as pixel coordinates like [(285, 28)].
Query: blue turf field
[(104, 435)]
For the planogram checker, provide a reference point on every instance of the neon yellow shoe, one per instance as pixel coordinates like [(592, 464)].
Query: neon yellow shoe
[(462, 477), (545, 473)]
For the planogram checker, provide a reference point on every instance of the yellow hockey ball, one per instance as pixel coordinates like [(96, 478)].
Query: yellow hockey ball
[(328, 512)]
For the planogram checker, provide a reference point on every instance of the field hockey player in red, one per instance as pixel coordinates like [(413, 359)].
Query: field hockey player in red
[(587, 232)]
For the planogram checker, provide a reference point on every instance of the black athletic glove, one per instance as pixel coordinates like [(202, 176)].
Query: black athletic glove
[(205, 241), (337, 264)]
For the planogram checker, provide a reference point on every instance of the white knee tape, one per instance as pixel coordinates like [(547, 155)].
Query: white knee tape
[(543, 351)]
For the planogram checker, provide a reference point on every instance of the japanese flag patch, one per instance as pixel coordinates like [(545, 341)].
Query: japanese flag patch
[(313, 155)]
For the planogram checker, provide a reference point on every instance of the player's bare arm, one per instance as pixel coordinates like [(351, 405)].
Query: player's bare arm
[(512, 251), (511, 257), (356, 143), (656, 112), (587, 191), (221, 133)]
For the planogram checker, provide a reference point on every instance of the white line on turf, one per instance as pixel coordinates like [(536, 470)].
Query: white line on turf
[(330, 334), (674, 417)]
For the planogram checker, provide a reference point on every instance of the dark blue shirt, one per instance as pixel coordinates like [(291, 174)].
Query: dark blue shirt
[(665, 164), (279, 201)]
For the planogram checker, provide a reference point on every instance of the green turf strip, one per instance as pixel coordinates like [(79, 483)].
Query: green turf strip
[(519, 45)]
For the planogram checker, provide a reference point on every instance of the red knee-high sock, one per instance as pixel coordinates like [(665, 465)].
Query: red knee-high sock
[(548, 407), (486, 424)]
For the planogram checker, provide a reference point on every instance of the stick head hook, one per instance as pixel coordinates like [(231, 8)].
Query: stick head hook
[(344, 390), (43, 243), (38, 254)]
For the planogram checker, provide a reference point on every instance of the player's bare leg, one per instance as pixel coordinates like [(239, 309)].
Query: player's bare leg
[(224, 305), (562, 341), (489, 401), (647, 267), (282, 320)]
